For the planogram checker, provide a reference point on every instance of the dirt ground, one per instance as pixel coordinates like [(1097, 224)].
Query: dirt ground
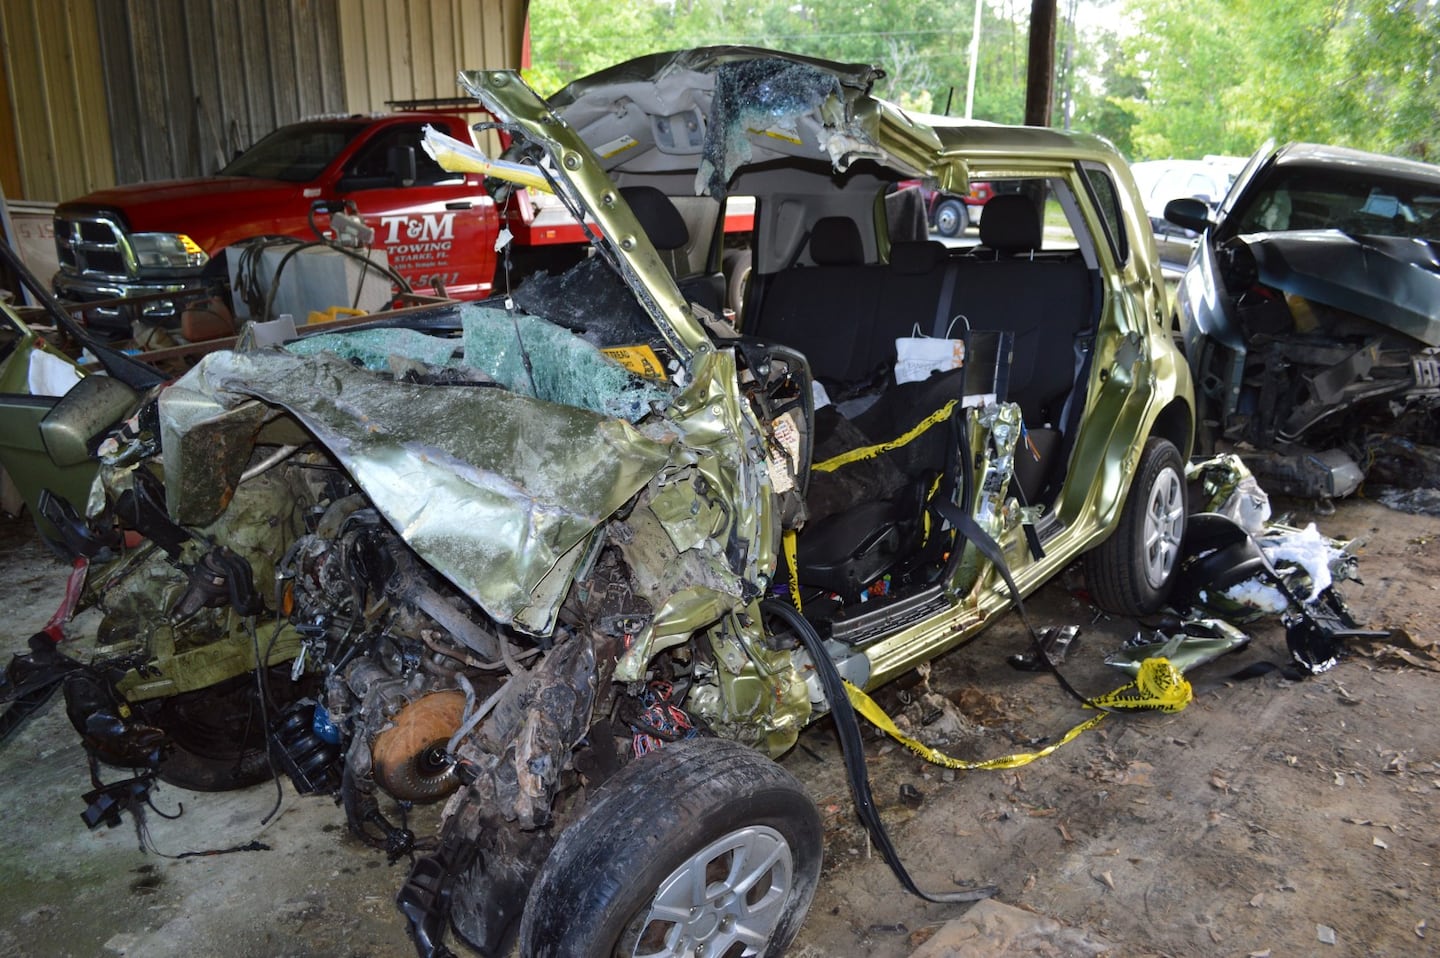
[(1270, 818)]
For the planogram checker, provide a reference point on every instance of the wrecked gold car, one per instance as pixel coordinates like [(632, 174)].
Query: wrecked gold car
[(1311, 313), (578, 560)]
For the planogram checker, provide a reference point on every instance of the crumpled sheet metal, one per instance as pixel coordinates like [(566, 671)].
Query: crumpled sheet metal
[(1196, 643), (1231, 490), (207, 446), (490, 488), (525, 354), (1391, 280)]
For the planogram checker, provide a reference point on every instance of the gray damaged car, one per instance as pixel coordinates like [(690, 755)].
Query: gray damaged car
[(1311, 312)]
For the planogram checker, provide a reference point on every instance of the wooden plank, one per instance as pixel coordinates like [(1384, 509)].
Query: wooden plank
[(207, 87), (377, 58), (121, 104), (353, 53), (86, 78), (305, 27), (151, 87), (26, 57), (178, 113), (446, 60), (332, 62)]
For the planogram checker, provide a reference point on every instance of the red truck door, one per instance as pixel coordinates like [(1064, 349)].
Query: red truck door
[(439, 230)]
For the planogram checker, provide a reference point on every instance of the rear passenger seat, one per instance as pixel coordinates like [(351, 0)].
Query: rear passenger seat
[(845, 316), (824, 310)]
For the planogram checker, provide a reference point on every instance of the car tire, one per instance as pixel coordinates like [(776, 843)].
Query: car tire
[(951, 217), (702, 842), (1131, 572)]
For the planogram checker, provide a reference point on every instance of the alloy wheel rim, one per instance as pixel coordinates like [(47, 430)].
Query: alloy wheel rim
[(725, 901), (1164, 525)]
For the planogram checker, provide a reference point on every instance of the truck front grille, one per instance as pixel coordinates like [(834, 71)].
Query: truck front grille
[(93, 246)]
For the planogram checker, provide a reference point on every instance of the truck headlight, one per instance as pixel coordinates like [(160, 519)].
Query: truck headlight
[(167, 250)]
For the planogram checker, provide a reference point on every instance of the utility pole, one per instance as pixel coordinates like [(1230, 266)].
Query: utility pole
[(974, 61), (1040, 81), (1067, 100)]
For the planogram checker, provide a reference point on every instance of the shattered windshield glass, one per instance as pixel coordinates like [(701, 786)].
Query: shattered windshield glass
[(756, 95), (1353, 201)]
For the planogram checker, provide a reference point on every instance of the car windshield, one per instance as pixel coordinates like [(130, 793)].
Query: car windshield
[(295, 154), (1353, 201)]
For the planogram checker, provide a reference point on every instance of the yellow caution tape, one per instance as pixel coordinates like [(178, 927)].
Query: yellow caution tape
[(1159, 687), (787, 540), (870, 452)]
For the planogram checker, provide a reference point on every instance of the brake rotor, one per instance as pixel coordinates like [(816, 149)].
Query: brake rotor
[(409, 757)]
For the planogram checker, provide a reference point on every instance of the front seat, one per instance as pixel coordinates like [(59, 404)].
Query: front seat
[(666, 230)]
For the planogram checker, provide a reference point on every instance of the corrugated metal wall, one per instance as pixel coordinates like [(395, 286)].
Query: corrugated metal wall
[(412, 49), (190, 82), (56, 143), (185, 83)]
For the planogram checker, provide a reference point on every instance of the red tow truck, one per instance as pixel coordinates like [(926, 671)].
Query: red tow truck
[(438, 229)]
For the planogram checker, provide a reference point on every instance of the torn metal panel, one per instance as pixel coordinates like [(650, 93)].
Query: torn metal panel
[(207, 446), (1195, 643), (492, 501), (1227, 487)]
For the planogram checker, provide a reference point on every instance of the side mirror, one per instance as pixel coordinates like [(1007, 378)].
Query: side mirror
[(400, 161), (1190, 213)]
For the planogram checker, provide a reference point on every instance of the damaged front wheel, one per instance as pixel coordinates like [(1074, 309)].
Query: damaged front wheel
[(701, 847)]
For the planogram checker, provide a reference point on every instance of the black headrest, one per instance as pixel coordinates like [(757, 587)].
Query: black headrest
[(1010, 224), (916, 258), (835, 241), (658, 217)]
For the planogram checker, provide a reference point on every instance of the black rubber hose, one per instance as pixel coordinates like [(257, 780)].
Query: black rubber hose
[(853, 749)]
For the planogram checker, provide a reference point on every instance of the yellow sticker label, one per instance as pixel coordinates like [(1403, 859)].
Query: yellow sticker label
[(639, 359), (775, 134)]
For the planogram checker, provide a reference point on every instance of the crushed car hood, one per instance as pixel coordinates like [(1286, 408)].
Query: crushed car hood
[(1390, 280), (494, 490)]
